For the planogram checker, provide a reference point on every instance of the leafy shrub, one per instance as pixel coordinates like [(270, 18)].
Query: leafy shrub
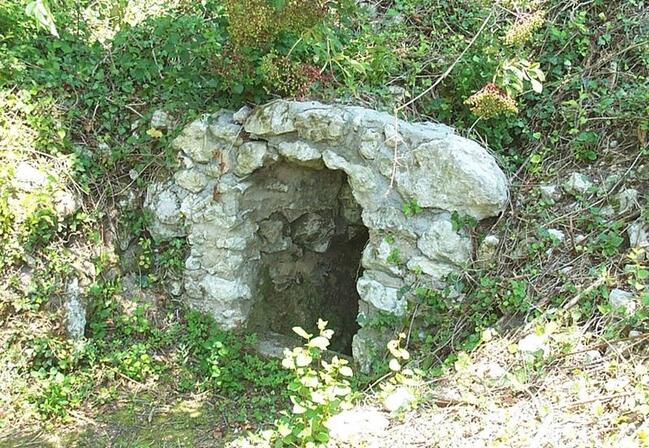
[(317, 390)]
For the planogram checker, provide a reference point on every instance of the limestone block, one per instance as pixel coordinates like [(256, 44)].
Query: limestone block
[(382, 297), (251, 156), (442, 243)]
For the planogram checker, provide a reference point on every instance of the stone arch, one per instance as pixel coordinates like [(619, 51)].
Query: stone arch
[(388, 163)]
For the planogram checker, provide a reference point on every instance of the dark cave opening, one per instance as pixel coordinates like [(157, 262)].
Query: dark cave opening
[(311, 244)]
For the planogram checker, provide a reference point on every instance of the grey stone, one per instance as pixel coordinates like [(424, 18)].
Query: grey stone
[(607, 211), (490, 370), (638, 233), (222, 127), (382, 297), (350, 210), (610, 181), (353, 425), (241, 115), (230, 300), (313, 231), (557, 235), (384, 256), (550, 193), (577, 184), (455, 174), (627, 199), (320, 124), (398, 399), (370, 144), (27, 178), (367, 341), (299, 151), (164, 201), (272, 345), (196, 143), (398, 93), (272, 234), (488, 248), (175, 288), (442, 243), (271, 119), (224, 263), (618, 298), (65, 203), (75, 311), (393, 138), (252, 156), (533, 343), (191, 180), (161, 120), (435, 269)]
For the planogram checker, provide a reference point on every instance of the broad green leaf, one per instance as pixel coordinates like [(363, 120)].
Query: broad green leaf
[(536, 85)]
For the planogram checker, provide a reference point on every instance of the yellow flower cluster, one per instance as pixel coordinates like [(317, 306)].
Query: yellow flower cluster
[(491, 101), (299, 15), (255, 23), (250, 22), (521, 31), (520, 4)]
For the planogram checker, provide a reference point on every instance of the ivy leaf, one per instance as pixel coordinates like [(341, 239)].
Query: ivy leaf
[(346, 371), (303, 360), (322, 437), (298, 409), (320, 342), (394, 365), (283, 429), (310, 381), (154, 133), (300, 332)]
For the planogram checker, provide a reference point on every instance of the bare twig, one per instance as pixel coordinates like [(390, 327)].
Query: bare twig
[(451, 67)]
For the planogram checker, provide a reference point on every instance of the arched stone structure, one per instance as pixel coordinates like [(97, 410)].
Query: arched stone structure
[(244, 192)]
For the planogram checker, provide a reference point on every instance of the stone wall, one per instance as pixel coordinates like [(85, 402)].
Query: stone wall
[(245, 192)]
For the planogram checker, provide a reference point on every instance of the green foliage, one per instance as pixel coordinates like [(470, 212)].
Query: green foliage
[(394, 257), (401, 375), (318, 389), (576, 73), (462, 222), (411, 208)]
